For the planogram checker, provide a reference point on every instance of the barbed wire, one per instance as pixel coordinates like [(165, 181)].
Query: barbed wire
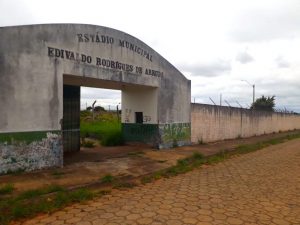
[(236, 104)]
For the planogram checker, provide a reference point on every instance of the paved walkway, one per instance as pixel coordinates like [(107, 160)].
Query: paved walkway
[(257, 188)]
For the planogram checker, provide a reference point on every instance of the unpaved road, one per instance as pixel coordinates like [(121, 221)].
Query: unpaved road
[(262, 187)]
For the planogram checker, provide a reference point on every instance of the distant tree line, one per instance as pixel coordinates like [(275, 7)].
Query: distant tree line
[(96, 109)]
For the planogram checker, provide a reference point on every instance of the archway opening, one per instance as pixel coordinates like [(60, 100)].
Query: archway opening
[(100, 117), (98, 113)]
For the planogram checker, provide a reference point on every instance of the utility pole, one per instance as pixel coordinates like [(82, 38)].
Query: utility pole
[(253, 86), (93, 107), (253, 93), (118, 112), (220, 99), (118, 115)]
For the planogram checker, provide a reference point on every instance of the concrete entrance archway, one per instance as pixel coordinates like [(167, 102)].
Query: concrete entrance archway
[(136, 100), (37, 60)]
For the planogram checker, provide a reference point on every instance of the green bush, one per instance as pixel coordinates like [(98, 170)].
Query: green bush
[(106, 127), (113, 139)]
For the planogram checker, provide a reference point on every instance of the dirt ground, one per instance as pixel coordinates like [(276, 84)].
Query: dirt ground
[(90, 165)]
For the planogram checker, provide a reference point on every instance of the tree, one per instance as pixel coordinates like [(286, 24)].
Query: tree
[(264, 103), (99, 109)]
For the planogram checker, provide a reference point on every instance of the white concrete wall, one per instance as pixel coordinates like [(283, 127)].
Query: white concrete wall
[(139, 100), (213, 123), (33, 61), (174, 101), (37, 60)]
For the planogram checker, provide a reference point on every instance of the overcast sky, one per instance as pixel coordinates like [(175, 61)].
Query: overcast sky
[(214, 43)]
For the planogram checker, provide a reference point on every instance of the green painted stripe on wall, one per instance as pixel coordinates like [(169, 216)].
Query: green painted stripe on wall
[(140, 132), (27, 137)]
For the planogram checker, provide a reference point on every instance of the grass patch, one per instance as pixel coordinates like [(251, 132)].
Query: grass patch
[(114, 138), (219, 157), (108, 132), (197, 159), (57, 173), (242, 149), (116, 182), (182, 166), (38, 192), (123, 184), (32, 202), (108, 179), (6, 189), (106, 127)]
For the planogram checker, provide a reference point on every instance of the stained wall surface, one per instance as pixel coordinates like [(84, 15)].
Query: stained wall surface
[(139, 100), (213, 123)]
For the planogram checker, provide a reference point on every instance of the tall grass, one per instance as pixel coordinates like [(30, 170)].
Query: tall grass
[(98, 129), (106, 127)]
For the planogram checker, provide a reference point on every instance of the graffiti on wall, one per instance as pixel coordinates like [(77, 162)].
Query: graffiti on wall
[(175, 133), (127, 115), (146, 119), (20, 155)]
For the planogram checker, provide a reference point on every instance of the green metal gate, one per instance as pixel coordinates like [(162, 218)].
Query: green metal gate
[(71, 118)]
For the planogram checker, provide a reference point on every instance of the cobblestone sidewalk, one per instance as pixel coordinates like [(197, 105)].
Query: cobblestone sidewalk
[(257, 188)]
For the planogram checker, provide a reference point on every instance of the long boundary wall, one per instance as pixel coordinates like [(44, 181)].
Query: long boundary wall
[(213, 123)]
